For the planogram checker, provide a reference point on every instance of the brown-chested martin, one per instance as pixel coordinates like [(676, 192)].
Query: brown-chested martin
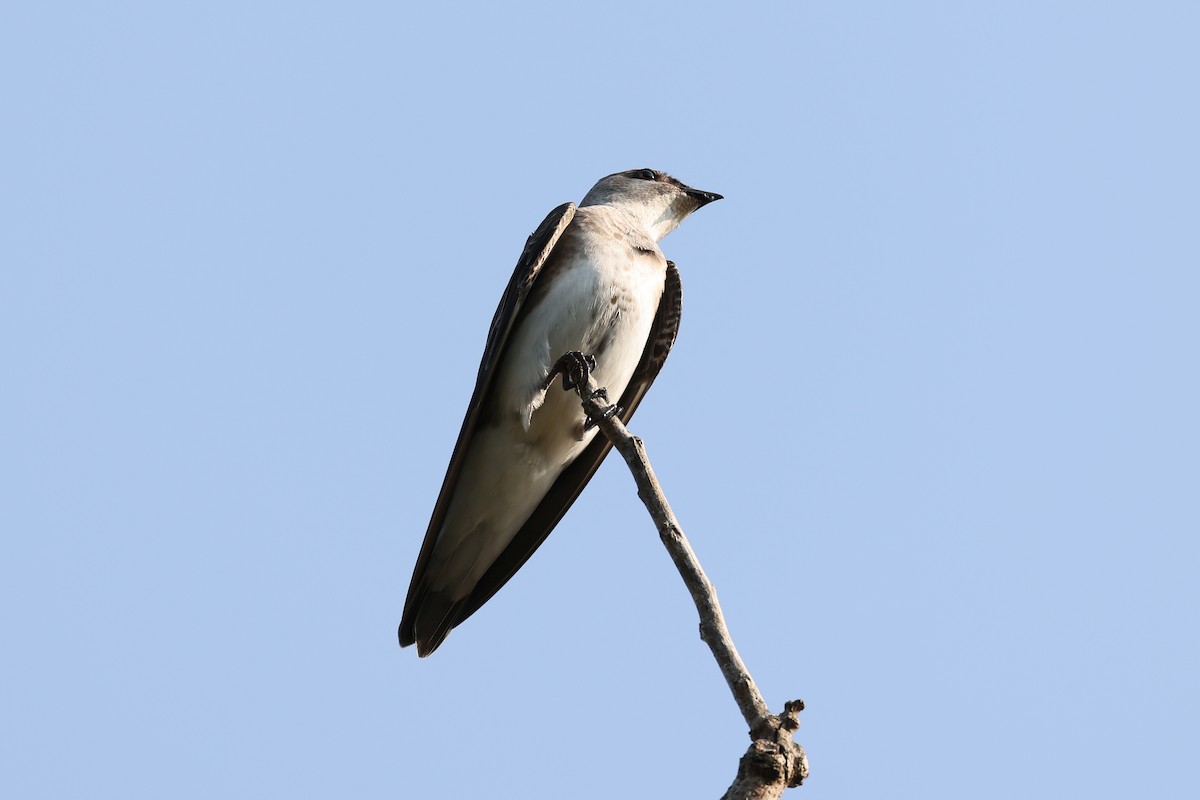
[(593, 281)]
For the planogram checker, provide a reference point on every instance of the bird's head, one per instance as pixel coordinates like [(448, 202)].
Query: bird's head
[(658, 200)]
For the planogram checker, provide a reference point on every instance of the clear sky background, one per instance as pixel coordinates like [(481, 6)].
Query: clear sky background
[(931, 422)]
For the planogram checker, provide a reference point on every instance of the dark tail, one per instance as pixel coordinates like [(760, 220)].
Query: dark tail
[(428, 619)]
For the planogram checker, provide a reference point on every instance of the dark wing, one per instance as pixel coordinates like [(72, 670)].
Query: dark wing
[(537, 251), (572, 480)]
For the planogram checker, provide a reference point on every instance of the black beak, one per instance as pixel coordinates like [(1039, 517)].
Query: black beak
[(701, 198)]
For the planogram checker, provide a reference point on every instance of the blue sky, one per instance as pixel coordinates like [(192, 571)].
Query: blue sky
[(931, 422)]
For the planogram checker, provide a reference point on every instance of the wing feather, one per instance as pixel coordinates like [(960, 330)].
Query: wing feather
[(535, 255), (572, 480)]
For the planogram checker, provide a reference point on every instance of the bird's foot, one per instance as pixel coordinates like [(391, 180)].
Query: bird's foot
[(575, 368), (601, 394), (605, 414)]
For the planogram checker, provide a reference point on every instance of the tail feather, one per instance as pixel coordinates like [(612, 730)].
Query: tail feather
[(429, 619), (406, 633)]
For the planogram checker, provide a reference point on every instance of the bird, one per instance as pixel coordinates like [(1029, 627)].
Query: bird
[(593, 287)]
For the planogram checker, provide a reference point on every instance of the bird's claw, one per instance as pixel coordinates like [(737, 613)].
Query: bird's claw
[(605, 414), (575, 368)]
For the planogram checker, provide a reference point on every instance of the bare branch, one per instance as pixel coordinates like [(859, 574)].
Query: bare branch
[(774, 762)]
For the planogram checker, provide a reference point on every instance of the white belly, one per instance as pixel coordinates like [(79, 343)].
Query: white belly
[(602, 300)]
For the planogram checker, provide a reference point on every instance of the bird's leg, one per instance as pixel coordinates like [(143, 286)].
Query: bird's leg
[(575, 367)]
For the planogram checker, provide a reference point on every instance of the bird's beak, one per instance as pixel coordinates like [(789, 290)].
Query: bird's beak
[(701, 198)]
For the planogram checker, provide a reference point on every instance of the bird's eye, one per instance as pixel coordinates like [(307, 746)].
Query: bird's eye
[(648, 175)]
